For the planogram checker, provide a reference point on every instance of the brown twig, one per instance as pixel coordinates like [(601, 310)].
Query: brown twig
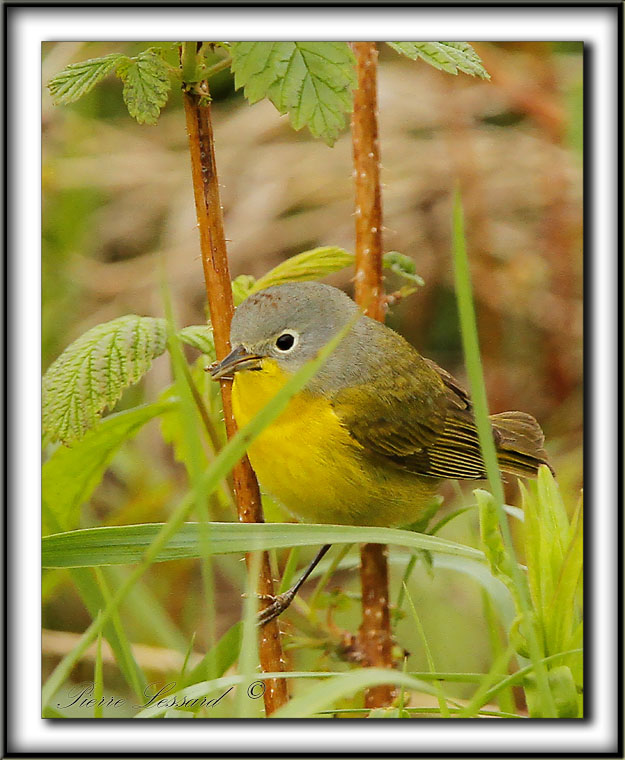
[(219, 293), (375, 641)]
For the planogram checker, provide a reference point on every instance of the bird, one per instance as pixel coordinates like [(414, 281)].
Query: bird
[(373, 434)]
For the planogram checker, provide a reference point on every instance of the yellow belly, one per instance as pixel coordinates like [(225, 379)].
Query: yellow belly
[(309, 462)]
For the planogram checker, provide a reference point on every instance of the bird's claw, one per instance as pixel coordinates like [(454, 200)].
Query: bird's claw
[(277, 605)]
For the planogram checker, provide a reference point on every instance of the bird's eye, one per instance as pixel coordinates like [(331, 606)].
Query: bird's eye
[(286, 341)]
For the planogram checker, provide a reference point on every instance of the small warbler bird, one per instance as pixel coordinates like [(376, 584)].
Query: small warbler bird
[(370, 438)]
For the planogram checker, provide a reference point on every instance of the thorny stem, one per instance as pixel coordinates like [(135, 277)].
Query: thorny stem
[(375, 640), (219, 293)]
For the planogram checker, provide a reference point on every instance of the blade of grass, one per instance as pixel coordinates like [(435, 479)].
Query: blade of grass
[(421, 711), (289, 570), (412, 562), (506, 698), (98, 685), (139, 681), (223, 656), (183, 670), (468, 328), (248, 654), (207, 688), (151, 619), (335, 688), (428, 654), (125, 544), (498, 668)]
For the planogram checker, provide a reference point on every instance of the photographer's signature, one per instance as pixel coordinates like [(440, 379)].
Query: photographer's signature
[(156, 695)]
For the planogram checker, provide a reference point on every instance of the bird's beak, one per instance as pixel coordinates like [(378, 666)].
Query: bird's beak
[(239, 358)]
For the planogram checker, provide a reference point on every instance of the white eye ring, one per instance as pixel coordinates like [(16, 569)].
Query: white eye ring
[(288, 345)]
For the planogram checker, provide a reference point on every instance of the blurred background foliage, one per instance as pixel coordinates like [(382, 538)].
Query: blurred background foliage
[(117, 200)]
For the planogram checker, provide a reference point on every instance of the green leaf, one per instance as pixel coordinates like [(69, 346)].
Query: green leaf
[(402, 265), (94, 370), (78, 79), (320, 262), (199, 337), (308, 265), (448, 56), (125, 544), (146, 85), (70, 476), (311, 81), (242, 286)]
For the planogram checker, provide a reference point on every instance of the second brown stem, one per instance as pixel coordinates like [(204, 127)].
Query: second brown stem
[(375, 638)]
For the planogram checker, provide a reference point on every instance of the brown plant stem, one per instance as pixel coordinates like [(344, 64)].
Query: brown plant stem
[(219, 293), (375, 640)]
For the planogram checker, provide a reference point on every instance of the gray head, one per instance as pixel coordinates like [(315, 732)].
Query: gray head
[(290, 323)]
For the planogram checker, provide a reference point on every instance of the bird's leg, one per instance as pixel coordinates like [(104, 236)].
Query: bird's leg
[(280, 602)]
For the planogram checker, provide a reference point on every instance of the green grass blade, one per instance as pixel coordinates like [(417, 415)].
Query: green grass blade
[(130, 665), (442, 703), (219, 658), (151, 619), (468, 327), (289, 570), (98, 685), (414, 681), (126, 544), (506, 697), (327, 693), (248, 654)]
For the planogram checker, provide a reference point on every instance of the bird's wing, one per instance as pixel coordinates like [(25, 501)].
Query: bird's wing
[(415, 416)]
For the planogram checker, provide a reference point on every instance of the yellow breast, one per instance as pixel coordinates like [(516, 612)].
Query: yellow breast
[(299, 458), (309, 462)]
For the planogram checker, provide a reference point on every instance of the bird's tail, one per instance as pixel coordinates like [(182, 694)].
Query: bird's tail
[(520, 441)]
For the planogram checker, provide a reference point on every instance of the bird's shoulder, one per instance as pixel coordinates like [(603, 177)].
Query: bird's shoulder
[(402, 405)]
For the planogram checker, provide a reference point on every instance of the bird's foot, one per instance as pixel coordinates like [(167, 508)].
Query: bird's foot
[(277, 605)]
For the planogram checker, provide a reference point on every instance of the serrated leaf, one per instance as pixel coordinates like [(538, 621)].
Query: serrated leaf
[(146, 85), (447, 56), (70, 476), (92, 372), (311, 81), (78, 79), (308, 265), (199, 337)]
